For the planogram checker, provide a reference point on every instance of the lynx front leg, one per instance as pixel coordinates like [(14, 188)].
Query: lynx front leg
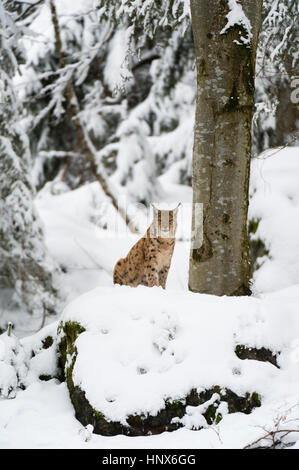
[(151, 276), (163, 276)]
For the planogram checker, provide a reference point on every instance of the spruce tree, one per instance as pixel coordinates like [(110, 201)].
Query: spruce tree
[(25, 265)]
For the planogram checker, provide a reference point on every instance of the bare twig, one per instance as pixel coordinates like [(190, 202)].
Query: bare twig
[(88, 254), (294, 138), (43, 321), (272, 434), (276, 434)]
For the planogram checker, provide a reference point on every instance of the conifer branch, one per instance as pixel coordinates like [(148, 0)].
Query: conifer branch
[(80, 133)]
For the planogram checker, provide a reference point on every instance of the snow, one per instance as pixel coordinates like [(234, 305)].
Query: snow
[(236, 16), (275, 201), (194, 418), (12, 365), (116, 70), (151, 344)]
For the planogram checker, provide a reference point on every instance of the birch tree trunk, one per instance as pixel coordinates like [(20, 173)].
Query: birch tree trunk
[(225, 59)]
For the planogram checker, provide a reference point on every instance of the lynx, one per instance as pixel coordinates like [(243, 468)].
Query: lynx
[(148, 262)]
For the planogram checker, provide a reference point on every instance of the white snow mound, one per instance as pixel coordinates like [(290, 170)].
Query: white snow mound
[(143, 346)]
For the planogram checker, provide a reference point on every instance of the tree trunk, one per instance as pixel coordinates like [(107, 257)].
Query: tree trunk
[(225, 60)]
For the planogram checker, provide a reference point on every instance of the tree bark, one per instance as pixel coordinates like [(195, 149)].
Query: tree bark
[(222, 146)]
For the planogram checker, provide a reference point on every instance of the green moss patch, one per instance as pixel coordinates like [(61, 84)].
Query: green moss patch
[(47, 342), (257, 247)]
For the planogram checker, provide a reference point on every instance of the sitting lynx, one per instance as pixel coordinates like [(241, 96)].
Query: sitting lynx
[(148, 262)]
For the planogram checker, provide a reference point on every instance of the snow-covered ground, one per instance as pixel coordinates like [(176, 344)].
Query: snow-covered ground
[(199, 352)]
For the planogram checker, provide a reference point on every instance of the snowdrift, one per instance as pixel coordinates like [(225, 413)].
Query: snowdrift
[(274, 218), (142, 361)]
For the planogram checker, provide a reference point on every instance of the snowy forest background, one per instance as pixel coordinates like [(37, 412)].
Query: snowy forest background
[(96, 102)]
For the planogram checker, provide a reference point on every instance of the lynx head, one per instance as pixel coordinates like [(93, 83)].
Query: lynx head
[(164, 222)]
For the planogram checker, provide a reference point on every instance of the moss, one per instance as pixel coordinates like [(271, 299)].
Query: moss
[(45, 377), (155, 424), (210, 414), (70, 332), (192, 397), (175, 406), (98, 415), (257, 354), (253, 225), (47, 342), (67, 349), (239, 349), (242, 290), (255, 400), (217, 389), (84, 412), (257, 247)]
